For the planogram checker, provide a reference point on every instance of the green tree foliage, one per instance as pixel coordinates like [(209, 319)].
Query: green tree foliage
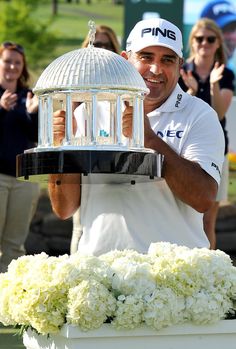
[(17, 25)]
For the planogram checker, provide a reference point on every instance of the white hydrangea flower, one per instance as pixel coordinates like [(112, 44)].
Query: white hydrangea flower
[(207, 307), (188, 270), (89, 305), (129, 312), (164, 308), (35, 298), (5, 289), (80, 267), (132, 274)]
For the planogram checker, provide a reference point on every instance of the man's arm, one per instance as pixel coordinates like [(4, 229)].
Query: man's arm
[(63, 189), (186, 179), (64, 193)]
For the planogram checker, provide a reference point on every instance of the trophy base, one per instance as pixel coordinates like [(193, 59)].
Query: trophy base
[(96, 166)]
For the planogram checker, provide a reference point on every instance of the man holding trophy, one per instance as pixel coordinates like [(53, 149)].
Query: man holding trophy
[(176, 125)]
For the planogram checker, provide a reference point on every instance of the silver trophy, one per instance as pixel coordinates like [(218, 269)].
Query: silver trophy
[(93, 77)]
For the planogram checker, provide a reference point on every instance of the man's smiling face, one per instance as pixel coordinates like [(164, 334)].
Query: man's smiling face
[(159, 67)]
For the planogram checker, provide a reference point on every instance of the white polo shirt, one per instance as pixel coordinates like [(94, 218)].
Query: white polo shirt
[(125, 216)]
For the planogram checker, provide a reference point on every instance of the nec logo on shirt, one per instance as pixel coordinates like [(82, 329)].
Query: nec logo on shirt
[(170, 134), (166, 33)]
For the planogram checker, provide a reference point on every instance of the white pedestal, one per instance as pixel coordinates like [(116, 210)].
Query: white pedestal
[(218, 336)]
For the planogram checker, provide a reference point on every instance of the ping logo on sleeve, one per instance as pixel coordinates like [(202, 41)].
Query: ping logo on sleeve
[(216, 167), (178, 99)]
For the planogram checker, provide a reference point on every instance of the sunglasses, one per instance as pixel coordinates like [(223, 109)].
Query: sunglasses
[(8, 44), (106, 45), (209, 39)]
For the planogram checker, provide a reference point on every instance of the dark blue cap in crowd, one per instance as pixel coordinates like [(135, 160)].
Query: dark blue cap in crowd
[(222, 12)]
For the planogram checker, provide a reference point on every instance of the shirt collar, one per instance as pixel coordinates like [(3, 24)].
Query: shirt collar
[(175, 102)]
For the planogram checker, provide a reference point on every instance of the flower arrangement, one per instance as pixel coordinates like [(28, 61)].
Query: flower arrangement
[(169, 285)]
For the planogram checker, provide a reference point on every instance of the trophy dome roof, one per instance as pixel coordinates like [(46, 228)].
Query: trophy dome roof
[(87, 69)]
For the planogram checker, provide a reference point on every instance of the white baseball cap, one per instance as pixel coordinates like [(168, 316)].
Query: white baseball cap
[(155, 32)]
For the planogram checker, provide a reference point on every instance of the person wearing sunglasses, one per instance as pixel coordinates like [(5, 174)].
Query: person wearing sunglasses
[(223, 12), (205, 75), (18, 132)]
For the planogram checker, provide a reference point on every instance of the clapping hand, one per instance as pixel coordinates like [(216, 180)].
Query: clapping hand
[(8, 100), (216, 73), (189, 80), (32, 103)]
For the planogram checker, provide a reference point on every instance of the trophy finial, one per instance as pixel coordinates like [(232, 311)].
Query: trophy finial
[(92, 32)]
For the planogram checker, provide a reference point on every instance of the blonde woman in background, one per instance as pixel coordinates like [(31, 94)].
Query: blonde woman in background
[(105, 38), (204, 75)]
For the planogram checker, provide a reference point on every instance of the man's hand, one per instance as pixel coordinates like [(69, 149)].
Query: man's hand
[(127, 125), (59, 124), (127, 121)]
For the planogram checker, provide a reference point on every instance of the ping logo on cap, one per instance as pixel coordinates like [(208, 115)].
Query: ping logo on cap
[(155, 31)]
